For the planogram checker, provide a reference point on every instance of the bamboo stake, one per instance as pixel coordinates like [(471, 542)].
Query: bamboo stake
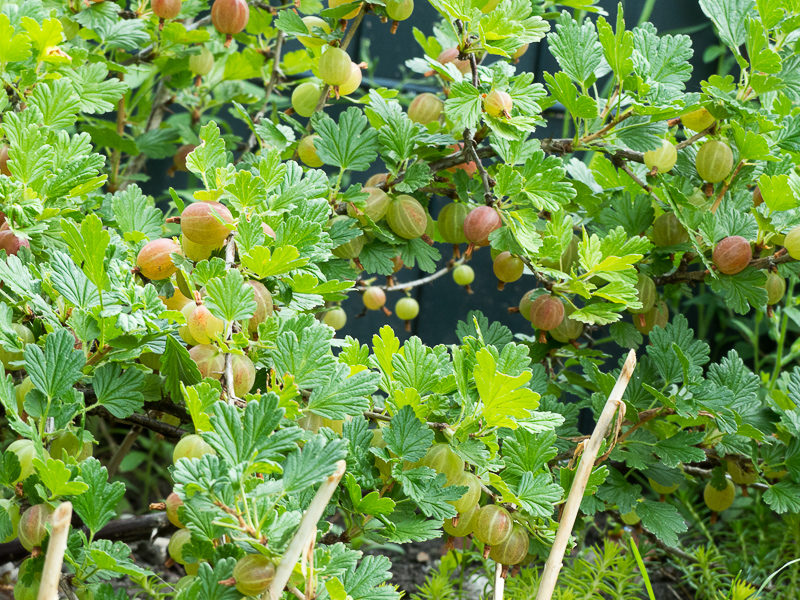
[(556, 559), (499, 582), (51, 575), (308, 527)]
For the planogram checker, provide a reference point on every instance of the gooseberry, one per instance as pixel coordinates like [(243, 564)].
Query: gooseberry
[(374, 298), (450, 55), (406, 217), (166, 9), (308, 152), (353, 81), (351, 248), (758, 199), (377, 204), (21, 390), (172, 504), (668, 231), (739, 475), (468, 167), (253, 574), (12, 510), (466, 522), (714, 161), (663, 489), (244, 374), (658, 316), (776, 288), (13, 361), (176, 543), (311, 41), (732, 254), (26, 452), (463, 275), (498, 103), (33, 526), (630, 518), (442, 459), (479, 223), (514, 549), (11, 243), (719, 500), (507, 267), (547, 312), (201, 64), (336, 318), (200, 224), (425, 108), (230, 16), (183, 330), (197, 252), (191, 446), (520, 51), (179, 160), (4, 163), (698, 120), (154, 259), (264, 304), (406, 309), (204, 326), (473, 494), (209, 360), (493, 525), (661, 159), (351, 15), (792, 243), (399, 10), (645, 294), (451, 222), (376, 179), (27, 592), (334, 66), (569, 329), (305, 98)]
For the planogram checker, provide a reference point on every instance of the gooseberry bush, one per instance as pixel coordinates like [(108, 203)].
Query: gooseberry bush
[(207, 315)]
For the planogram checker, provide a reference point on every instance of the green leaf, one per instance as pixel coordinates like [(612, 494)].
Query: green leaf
[(427, 488), (477, 325), (680, 448), (617, 47), (663, 63), (57, 102), (661, 519), (464, 106), (578, 105), (543, 184), (229, 298), (751, 145), (56, 477), (617, 490), (371, 504), (55, 370), (208, 156), (13, 47), (730, 17), (97, 92), (368, 580), (416, 367), (97, 507), (134, 215), (120, 392), (407, 436), (743, 290), (350, 145), (177, 367), (538, 494), (777, 193), (528, 452), (312, 464), (10, 469), (88, 246), (784, 497), (662, 352), (267, 263), (577, 50), (504, 397), (341, 395)]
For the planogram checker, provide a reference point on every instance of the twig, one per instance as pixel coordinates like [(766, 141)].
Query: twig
[(708, 474), (556, 559), (122, 451), (137, 163), (624, 166), (417, 282), (273, 80), (51, 575), (697, 276), (230, 258), (608, 127), (725, 187), (165, 429), (697, 136), (307, 527)]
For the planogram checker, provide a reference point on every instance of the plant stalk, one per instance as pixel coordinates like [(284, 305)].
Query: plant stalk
[(51, 575)]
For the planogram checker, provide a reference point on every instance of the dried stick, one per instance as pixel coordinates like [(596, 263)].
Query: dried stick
[(307, 528), (51, 575), (230, 258), (499, 582), (556, 559)]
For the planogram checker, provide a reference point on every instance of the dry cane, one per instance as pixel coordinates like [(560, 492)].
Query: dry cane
[(556, 559), (51, 575)]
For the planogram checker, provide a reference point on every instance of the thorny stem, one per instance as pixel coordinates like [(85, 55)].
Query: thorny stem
[(725, 187), (417, 282)]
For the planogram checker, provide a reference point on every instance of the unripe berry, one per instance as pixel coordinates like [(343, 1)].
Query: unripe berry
[(264, 304), (308, 153), (547, 312), (719, 500), (172, 503), (166, 9), (498, 103), (375, 180), (493, 525), (645, 293), (33, 526), (567, 258), (190, 447), (442, 459), (209, 360), (176, 543), (776, 288), (351, 248), (473, 494), (376, 208), (201, 64), (351, 15), (479, 223), (374, 298), (183, 330), (353, 81), (406, 309), (656, 316), (668, 231), (305, 98), (739, 475), (179, 160), (204, 326), (12, 243), (253, 574), (12, 510), (197, 252), (698, 120), (425, 108), (569, 329), (451, 222), (311, 41), (12, 361), (335, 318), (450, 55), (507, 267), (334, 66), (31, 592), (463, 275), (525, 304), (792, 243), (25, 452), (520, 51), (200, 224), (732, 255), (514, 550), (662, 489), (630, 518), (714, 161), (154, 260), (244, 374), (466, 523), (406, 217), (230, 16), (399, 10), (662, 159)]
